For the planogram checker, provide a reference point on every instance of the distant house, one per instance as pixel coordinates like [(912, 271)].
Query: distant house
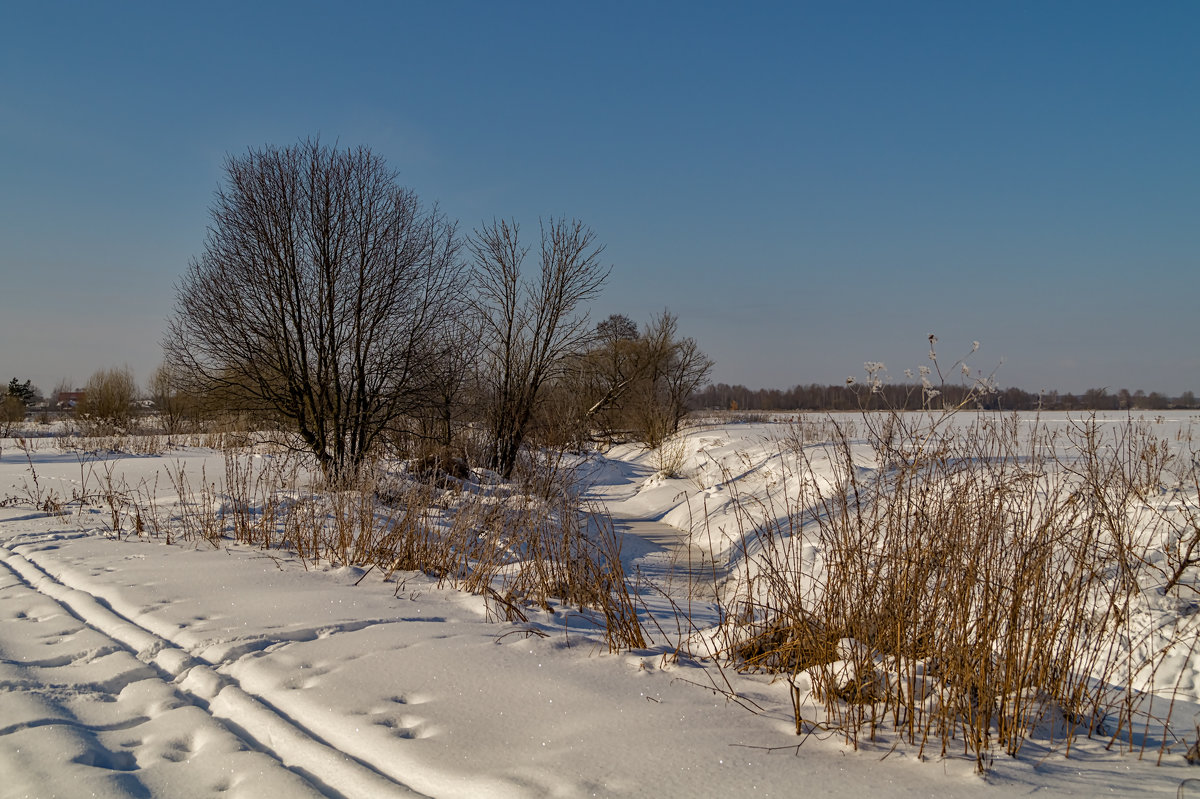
[(69, 399)]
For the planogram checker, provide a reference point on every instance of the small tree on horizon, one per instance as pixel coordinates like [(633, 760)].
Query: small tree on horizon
[(12, 413), (108, 399), (26, 393), (175, 406), (640, 384)]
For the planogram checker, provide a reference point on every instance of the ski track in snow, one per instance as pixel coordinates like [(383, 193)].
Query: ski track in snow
[(250, 718)]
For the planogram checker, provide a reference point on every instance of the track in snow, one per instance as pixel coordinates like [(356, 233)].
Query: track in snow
[(673, 563), (110, 685)]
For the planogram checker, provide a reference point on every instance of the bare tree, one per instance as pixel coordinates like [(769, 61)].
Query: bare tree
[(452, 391), (618, 359), (319, 278), (530, 327), (617, 327), (61, 390), (173, 404), (678, 369), (640, 384), (108, 400), (687, 369)]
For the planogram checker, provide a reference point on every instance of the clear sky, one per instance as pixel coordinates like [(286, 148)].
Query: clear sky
[(807, 186)]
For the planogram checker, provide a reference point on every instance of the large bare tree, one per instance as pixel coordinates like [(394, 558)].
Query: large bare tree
[(313, 299), (530, 326)]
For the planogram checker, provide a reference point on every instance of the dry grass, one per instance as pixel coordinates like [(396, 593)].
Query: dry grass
[(974, 587), (520, 545), (669, 456)]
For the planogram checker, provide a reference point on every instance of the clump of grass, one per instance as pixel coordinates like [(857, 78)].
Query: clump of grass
[(670, 456)]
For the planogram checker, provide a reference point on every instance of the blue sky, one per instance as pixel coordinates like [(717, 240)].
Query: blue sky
[(807, 186)]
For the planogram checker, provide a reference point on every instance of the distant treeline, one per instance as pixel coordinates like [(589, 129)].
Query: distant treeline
[(909, 397)]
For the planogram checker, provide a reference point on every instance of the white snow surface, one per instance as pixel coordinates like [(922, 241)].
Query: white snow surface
[(134, 668)]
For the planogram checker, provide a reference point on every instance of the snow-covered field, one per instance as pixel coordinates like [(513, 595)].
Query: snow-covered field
[(130, 667)]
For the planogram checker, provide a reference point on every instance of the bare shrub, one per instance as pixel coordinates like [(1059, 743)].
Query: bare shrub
[(12, 413), (1182, 521)]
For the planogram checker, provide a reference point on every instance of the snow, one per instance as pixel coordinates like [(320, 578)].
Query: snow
[(130, 667)]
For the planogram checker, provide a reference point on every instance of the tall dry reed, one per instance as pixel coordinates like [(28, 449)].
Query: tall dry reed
[(965, 587)]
